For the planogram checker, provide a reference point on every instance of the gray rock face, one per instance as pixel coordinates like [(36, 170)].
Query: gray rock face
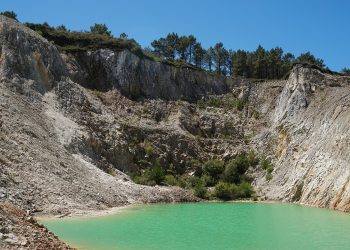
[(296, 94), (136, 77), (311, 134), (25, 55)]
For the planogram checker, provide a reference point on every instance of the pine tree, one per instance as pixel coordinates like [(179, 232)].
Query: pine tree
[(191, 43), (123, 36), (274, 61), (260, 63), (100, 29), (198, 55), (345, 71), (208, 59), (9, 14), (220, 56), (239, 63), (166, 47), (310, 58), (229, 61)]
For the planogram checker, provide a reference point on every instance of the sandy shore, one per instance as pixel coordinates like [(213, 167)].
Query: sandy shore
[(86, 213)]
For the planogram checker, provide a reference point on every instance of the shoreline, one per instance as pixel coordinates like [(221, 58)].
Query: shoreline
[(86, 213), (119, 209), (114, 210)]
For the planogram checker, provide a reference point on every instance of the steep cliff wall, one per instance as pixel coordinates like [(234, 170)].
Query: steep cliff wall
[(310, 131), (136, 77), (27, 58)]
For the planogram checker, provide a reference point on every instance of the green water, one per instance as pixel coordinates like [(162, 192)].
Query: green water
[(208, 226)]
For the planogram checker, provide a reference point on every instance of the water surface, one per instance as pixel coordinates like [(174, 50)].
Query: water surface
[(208, 226)]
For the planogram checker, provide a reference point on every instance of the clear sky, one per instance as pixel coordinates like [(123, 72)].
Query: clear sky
[(319, 26)]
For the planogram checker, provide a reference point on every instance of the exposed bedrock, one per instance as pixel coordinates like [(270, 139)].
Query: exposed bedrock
[(142, 78)]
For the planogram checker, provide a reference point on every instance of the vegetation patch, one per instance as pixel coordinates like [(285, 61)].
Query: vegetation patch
[(152, 176), (230, 191), (267, 165), (82, 41), (212, 179)]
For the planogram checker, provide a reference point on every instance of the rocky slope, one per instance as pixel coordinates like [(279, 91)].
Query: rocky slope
[(20, 231), (73, 125), (51, 156)]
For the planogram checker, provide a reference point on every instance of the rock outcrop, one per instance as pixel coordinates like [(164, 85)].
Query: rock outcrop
[(310, 128), (19, 230), (28, 59), (137, 77)]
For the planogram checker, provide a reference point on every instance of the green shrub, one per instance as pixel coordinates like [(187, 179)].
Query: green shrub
[(148, 149), (207, 180), (152, 176), (231, 172), (215, 102), (177, 169), (214, 168), (101, 29), (62, 28), (252, 158), (200, 190), (201, 103), (236, 168), (183, 183), (143, 179), (82, 41), (269, 169), (188, 182), (224, 190), (229, 191), (242, 162), (244, 190), (268, 177), (171, 180), (239, 105), (267, 165), (156, 174), (197, 167)]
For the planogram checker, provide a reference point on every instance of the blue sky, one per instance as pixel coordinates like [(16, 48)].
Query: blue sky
[(322, 27)]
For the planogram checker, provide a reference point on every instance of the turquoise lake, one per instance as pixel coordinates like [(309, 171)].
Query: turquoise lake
[(208, 226)]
